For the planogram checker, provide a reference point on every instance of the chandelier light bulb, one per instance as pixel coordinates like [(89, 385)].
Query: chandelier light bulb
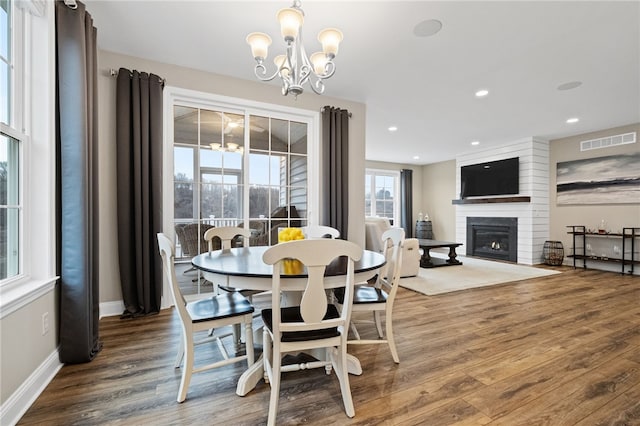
[(259, 43), (330, 39), (215, 146), (290, 22), (232, 146), (319, 61), (281, 63)]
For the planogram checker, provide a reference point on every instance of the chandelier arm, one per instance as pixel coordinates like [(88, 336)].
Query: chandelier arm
[(261, 72), (317, 86)]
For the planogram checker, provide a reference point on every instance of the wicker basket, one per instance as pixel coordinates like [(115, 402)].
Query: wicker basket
[(553, 253)]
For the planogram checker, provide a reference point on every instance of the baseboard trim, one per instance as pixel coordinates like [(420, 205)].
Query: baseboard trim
[(111, 309), (116, 308), (20, 401)]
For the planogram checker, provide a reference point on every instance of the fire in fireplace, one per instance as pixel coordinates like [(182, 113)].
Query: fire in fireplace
[(493, 237)]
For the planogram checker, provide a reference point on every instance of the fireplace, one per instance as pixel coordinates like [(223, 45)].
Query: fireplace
[(493, 237)]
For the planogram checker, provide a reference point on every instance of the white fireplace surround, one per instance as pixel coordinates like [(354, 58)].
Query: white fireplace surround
[(533, 216)]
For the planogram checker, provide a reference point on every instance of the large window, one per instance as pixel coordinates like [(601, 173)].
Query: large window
[(382, 189), (12, 138), (243, 167)]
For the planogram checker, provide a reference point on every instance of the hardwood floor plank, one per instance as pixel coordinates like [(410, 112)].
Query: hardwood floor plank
[(574, 400)]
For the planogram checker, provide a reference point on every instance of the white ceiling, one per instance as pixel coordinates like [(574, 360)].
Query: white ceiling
[(520, 51)]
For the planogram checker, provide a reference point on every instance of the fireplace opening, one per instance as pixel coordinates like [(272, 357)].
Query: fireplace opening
[(493, 238)]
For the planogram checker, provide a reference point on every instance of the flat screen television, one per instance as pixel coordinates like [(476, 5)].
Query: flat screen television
[(492, 178)]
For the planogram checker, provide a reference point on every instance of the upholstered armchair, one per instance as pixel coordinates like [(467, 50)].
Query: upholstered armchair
[(375, 227)]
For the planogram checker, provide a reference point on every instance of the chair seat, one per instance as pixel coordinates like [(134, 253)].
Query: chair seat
[(292, 314), (363, 294), (224, 305), (245, 292)]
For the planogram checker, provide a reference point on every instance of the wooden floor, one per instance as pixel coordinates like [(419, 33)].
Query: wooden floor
[(557, 350)]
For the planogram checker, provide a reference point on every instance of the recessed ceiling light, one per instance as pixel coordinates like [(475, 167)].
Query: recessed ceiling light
[(573, 120), (570, 85), (393, 128), (482, 93), (427, 28), (416, 157), (474, 143)]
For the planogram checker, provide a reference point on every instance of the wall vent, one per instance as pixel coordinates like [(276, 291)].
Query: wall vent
[(608, 141)]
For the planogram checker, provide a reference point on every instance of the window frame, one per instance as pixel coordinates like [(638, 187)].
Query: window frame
[(395, 174), (33, 123)]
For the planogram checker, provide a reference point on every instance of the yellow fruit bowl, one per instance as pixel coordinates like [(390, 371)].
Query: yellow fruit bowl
[(290, 234)]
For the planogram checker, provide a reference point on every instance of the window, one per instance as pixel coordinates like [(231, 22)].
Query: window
[(27, 152), (242, 164), (381, 191), (12, 138)]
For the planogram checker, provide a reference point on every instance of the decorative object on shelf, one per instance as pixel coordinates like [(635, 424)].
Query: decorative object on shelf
[(420, 217), (553, 253), (602, 228), (295, 68)]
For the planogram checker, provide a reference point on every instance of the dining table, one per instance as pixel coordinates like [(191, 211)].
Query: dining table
[(243, 268)]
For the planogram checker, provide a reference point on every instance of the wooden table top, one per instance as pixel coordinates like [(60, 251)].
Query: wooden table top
[(423, 242)]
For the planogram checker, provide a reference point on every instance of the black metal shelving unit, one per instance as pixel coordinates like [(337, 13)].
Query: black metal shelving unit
[(628, 237)]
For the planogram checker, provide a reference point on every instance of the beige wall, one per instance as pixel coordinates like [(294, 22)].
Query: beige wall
[(438, 189), (216, 84), (616, 215), (24, 348)]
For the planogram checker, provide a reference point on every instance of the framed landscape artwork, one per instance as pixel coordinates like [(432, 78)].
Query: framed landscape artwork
[(614, 179)]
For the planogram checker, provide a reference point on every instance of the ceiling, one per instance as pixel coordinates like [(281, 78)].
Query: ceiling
[(519, 51)]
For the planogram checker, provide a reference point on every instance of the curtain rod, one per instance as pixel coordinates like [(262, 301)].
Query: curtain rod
[(322, 110), (114, 73)]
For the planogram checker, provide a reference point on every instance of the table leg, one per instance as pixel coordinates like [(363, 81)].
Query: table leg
[(452, 256), (425, 260), (250, 378)]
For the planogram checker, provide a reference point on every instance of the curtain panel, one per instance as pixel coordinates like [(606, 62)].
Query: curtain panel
[(406, 201), (139, 170), (77, 183), (334, 210)]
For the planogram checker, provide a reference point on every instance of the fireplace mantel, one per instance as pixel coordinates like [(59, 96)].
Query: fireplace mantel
[(518, 199)]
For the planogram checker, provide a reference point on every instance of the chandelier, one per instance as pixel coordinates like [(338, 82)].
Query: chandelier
[(295, 68)]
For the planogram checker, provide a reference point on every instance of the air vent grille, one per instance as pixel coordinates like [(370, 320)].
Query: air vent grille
[(608, 141)]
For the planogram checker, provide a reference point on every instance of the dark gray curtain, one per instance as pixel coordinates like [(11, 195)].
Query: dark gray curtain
[(139, 170), (406, 202), (335, 169), (77, 183)]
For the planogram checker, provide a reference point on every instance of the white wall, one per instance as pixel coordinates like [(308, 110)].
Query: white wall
[(533, 217)]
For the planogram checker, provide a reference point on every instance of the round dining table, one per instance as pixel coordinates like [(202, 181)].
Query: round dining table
[(243, 267)]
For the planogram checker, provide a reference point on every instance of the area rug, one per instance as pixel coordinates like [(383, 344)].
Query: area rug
[(472, 273)]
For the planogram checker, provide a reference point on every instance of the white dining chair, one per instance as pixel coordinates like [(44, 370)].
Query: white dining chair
[(214, 312), (226, 235), (314, 324), (379, 298), (319, 231)]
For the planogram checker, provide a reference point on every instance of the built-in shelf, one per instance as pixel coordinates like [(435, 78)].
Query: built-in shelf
[(518, 199)]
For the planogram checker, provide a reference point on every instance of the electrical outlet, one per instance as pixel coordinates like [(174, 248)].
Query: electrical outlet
[(45, 323)]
